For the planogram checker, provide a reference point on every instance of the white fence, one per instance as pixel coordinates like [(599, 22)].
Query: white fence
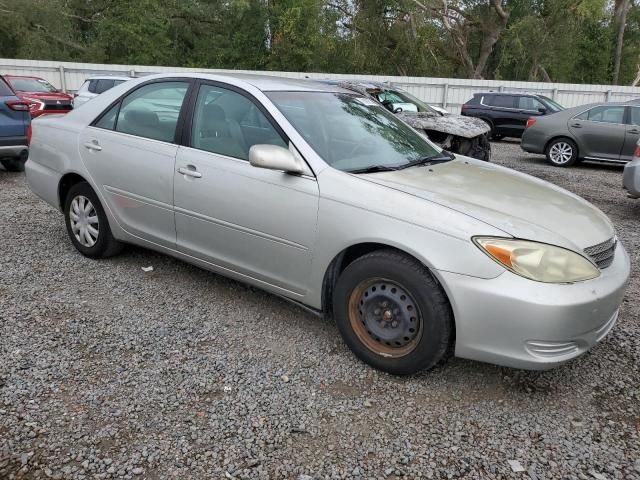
[(449, 93)]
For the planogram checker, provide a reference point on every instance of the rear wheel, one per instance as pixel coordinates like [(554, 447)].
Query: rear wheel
[(12, 164), (87, 224), (562, 152), (392, 313)]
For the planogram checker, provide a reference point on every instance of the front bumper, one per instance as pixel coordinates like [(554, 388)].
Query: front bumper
[(631, 178), (512, 321)]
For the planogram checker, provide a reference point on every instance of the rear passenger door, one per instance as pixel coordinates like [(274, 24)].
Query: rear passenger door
[(130, 153), (632, 134)]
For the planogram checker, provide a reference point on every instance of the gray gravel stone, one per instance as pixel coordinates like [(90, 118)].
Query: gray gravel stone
[(107, 371)]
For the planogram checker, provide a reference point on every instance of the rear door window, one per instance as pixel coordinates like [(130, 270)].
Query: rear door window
[(502, 101), (103, 85), (92, 86), (152, 111), (635, 116), (5, 91)]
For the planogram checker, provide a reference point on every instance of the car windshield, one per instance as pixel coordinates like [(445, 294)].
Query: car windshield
[(354, 133), (406, 97), (31, 85), (554, 106)]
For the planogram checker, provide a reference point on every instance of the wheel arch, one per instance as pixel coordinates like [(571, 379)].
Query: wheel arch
[(559, 137), (349, 255), (67, 181)]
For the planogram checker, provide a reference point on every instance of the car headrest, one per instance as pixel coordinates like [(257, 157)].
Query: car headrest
[(214, 121), (143, 118)]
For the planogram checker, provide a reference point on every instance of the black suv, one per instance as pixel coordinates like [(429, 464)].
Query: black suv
[(507, 113)]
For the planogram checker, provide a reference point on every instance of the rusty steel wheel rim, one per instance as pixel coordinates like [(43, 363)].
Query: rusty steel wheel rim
[(385, 317)]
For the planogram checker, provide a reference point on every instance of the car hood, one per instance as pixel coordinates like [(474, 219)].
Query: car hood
[(45, 96), (518, 204), (467, 127)]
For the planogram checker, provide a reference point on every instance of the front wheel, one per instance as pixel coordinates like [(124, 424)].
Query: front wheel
[(562, 152), (392, 313), (87, 224)]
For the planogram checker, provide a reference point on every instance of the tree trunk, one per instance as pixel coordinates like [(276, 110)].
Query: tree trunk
[(620, 21)]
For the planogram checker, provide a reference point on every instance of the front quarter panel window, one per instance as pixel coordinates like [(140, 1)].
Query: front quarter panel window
[(152, 111), (228, 123), (351, 132)]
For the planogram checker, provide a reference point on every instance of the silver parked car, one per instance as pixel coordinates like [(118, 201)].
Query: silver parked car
[(631, 175), (322, 196), (604, 132)]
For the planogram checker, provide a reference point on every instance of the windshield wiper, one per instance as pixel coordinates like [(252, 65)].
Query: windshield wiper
[(373, 169), (444, 156)]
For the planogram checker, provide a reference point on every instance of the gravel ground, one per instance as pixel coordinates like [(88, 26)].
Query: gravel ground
[(110, 372)]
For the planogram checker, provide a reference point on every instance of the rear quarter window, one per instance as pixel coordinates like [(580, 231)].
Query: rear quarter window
[(5, 90)]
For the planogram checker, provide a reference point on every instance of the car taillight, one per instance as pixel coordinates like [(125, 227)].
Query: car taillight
[(29, 134), (636, 152), (35, 105), (464, 107), (531, 122), (17, 105)]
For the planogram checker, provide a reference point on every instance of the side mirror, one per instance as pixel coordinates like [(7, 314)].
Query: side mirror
[(398, 110), (274, 158), (542, 110)]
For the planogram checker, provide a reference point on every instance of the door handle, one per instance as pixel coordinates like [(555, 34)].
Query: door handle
[(635, 131), (190, 171), (93, 145), (576, 125)]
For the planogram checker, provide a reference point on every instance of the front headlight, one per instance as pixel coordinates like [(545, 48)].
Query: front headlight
[(538, 261)]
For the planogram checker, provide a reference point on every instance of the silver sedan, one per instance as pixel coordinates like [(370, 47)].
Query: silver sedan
[(321, 196)]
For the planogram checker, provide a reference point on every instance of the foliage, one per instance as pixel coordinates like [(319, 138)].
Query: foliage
[(544, 40)]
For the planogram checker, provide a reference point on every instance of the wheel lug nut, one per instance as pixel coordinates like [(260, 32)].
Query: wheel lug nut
[(385, 304), (394, 324), (376, 311)]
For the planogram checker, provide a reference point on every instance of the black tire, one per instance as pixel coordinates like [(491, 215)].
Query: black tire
[(432, 321), (562, 152), (12, 164), (105, 244), (478, 147)]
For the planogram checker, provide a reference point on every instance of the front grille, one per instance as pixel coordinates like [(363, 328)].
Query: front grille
[(602, 254)]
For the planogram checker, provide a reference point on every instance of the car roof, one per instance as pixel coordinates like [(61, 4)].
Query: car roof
[(23, 76), (108, 77), (360, 83), (525, 94), (266, 83)]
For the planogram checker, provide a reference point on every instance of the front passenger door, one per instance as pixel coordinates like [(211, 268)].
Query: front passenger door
[(257, 223), (631, 135), (600, 131)]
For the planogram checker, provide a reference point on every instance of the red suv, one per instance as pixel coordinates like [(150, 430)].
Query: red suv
[(42, 97)]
